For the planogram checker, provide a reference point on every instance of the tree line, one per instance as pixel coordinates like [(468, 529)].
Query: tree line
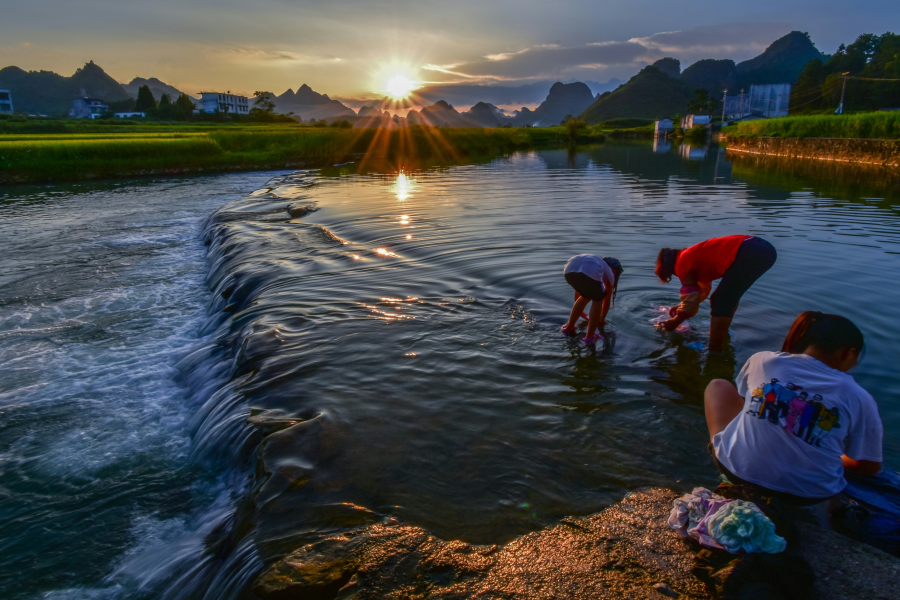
[(872, 57)]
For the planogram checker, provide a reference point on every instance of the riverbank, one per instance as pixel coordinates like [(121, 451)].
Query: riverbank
[(880, 152), (121, 153), (625, 551), (882, 125)]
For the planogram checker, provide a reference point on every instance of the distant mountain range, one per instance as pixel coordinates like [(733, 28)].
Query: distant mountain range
[(310, 105), (661, 89), (157, 88), (45, 92)]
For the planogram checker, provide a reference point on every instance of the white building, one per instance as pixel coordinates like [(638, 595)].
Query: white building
[(227, 103), (691, 121), (766, 101), (125, 115), (87, 108), (6, 101), (664, 126)]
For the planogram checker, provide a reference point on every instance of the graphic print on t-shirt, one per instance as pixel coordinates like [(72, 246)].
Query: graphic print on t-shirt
[(793, 409)]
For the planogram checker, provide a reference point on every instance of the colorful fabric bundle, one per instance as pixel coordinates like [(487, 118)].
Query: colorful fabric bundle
[(732, 525)]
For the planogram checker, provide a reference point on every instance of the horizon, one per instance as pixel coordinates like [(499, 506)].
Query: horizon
[(352, 55)]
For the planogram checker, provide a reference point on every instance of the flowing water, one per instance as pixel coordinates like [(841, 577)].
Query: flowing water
[(174, 417)]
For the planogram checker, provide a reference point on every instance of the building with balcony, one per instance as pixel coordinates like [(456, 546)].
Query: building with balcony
[(87, 108), (226, 103)]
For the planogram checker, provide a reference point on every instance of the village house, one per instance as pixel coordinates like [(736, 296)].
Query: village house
[(664, 126), (691, 121), (88, 108), (6, 105), (227, 103)]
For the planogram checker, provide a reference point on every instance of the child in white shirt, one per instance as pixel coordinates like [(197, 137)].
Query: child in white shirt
[(797, 419)]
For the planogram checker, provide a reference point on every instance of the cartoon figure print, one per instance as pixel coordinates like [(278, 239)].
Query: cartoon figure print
[(790, 407)]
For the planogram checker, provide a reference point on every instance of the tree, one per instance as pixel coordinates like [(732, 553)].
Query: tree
[(184, 107), (145, 100), (265, 102), (573, 128), (165, 109), (702, 103), (807, 94)]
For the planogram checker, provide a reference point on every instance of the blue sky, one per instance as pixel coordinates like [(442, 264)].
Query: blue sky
[(351, 48)]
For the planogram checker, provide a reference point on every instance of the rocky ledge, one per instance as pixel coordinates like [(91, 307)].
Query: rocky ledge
[(625, 551)]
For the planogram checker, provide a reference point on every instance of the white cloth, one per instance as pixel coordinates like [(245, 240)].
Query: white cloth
[(594, 267), (799, 417)]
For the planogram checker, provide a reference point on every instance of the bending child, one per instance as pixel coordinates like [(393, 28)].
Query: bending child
[(776, 454), (738, 260), (595, 280)]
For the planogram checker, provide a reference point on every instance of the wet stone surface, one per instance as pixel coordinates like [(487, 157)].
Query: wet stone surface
[(625, 551)]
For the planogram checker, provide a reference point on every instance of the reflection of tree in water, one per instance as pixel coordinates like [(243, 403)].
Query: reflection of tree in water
[(826, 179), (686, 371)]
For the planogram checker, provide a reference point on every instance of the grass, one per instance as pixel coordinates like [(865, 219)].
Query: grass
[(101, 153), (872, 125)]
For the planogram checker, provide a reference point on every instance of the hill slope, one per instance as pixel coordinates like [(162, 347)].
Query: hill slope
[(711, 75), (563, 99), (651, 94), (157, 88), (45, 92), (782, 61)]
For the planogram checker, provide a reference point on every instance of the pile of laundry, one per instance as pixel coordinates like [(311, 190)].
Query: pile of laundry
[(717, 522)]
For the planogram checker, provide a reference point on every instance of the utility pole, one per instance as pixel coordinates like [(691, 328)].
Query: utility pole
[(840, 109), (741, 113), (724, 99)]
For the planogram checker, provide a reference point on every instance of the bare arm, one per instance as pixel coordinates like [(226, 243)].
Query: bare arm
[(863, 467), (604, 309)]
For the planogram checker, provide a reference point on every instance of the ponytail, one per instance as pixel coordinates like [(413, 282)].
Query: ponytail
[(665, 264), (617, 269), (829, 333)]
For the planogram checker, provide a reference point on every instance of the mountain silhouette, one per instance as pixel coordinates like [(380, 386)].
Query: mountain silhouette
[(46, 92), (310, 105), (157, 88), (562, 100)]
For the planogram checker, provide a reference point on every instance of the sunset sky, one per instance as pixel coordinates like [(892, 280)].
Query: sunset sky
[(351, 49)]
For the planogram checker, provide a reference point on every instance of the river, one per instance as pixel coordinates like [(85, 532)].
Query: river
[(193, 384)]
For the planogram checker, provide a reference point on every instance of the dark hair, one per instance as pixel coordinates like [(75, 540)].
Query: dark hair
[(617, 269), (830, 333), (665, 264)]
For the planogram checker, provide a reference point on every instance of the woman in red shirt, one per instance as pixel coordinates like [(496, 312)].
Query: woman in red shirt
[(738, 260)]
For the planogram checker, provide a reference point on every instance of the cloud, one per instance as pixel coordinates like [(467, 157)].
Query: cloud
[(616, 58), (726, 40), (273, 56)]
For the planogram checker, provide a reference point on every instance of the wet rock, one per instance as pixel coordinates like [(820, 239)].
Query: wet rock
[(300, 210), (625, 551), (665, 590), (848, 569), (566, 561)]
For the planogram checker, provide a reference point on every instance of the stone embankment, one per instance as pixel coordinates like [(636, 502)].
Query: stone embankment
[(847, 150), (625, 551)]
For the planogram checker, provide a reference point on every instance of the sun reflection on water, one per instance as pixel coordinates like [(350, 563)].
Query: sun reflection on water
[(404, 186)]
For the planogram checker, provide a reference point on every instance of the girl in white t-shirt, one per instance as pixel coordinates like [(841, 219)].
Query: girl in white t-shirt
[(595, 281), (797, 419)]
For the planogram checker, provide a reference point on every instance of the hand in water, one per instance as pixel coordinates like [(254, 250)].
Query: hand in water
[(670, 325)]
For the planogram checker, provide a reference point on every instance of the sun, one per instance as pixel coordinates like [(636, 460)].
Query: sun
[(400, 87)]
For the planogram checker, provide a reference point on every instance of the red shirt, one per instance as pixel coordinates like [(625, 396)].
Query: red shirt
[(710, 259)]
